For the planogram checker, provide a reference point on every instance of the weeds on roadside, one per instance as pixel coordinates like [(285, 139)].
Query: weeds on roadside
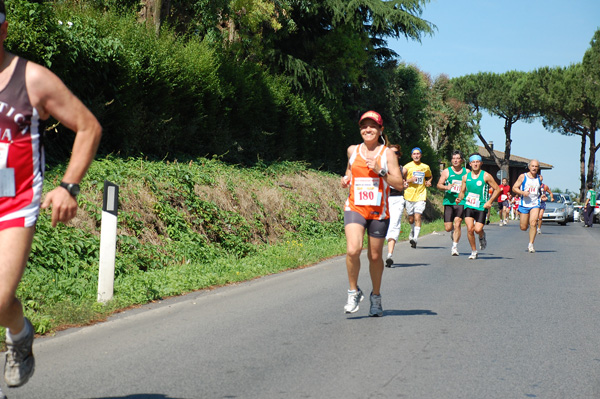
[(183, 226)]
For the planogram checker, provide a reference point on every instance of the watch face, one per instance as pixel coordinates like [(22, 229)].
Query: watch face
[(72, 188)]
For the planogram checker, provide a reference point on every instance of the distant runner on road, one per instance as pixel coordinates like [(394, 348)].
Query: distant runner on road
[(504, 202), (418, 178), (451, 180), (372, 168), (528, 186), (474, 192)]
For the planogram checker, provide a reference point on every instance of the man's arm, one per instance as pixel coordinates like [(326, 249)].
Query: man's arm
[(550, 191), (517, 187), (442, 182), (51, 97), (428, 177)]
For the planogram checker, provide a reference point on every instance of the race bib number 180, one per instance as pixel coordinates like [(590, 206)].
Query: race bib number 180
[(366, 191)]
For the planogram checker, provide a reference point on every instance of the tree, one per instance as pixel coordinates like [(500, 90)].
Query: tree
[(591, 86), (559, 99), (503, 95), (449, 123), (327, 46)]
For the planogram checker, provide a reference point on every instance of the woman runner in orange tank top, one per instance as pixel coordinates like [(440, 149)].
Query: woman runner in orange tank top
[(372, 168)]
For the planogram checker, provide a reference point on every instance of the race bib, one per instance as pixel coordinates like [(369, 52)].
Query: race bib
[(420, 177), (473, 200), (7, 175), (503, 197), (456, 185), (366, 191), (7, 182)]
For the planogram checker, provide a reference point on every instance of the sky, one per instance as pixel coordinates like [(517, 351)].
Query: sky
[(497, 36)]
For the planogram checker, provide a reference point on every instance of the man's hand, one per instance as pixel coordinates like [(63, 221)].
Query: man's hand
[(64, 206)]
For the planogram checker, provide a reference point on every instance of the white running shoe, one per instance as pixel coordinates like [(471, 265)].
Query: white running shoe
[(354, 298), (454, 251), (539, 231), (482, 242), (530, 248), (376, 309), (389, 261), (473, 255), (501, 223)]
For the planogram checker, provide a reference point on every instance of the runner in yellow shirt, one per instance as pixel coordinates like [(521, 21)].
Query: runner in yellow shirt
[(418, 178)]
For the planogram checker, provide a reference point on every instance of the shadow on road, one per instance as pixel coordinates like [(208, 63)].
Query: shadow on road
[(396, 312), (482, 256), (412, 312), (139, 396), (400, 265)]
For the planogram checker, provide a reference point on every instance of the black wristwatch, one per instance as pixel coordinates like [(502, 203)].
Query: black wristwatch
[(382, 172), (72, 188)]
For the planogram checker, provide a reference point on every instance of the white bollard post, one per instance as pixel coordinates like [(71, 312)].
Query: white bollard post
[(108, 242)]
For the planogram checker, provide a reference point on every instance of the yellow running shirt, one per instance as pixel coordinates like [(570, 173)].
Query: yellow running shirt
[(416, 191)]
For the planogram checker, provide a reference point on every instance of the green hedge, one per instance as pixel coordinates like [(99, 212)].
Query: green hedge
[(167, 95)]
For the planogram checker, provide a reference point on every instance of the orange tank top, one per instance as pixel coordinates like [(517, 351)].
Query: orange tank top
[(368, 192)]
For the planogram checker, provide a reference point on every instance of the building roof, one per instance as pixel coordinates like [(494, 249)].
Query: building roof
[(514, 160)]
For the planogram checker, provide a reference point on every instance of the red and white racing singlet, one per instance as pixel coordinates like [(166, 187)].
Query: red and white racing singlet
[(21, 154)]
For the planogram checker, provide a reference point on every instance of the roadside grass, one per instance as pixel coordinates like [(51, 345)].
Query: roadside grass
[(183, 227)]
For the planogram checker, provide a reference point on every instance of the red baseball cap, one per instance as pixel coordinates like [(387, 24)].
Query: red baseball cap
[(372, 115)]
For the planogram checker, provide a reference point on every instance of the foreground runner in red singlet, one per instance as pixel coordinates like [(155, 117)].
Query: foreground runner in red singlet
[(29, 94), (372, 168)]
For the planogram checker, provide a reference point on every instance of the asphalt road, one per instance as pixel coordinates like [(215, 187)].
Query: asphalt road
[(507, 325)]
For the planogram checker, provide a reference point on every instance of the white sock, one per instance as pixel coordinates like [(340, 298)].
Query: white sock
[(454, 244), (417, 231), (17, 337), (412, 229)]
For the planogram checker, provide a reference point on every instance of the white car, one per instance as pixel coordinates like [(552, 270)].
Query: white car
[(555, 211), (566, 199)]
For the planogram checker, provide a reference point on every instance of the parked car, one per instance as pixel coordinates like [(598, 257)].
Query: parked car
[(555, 211), (570, 205)]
